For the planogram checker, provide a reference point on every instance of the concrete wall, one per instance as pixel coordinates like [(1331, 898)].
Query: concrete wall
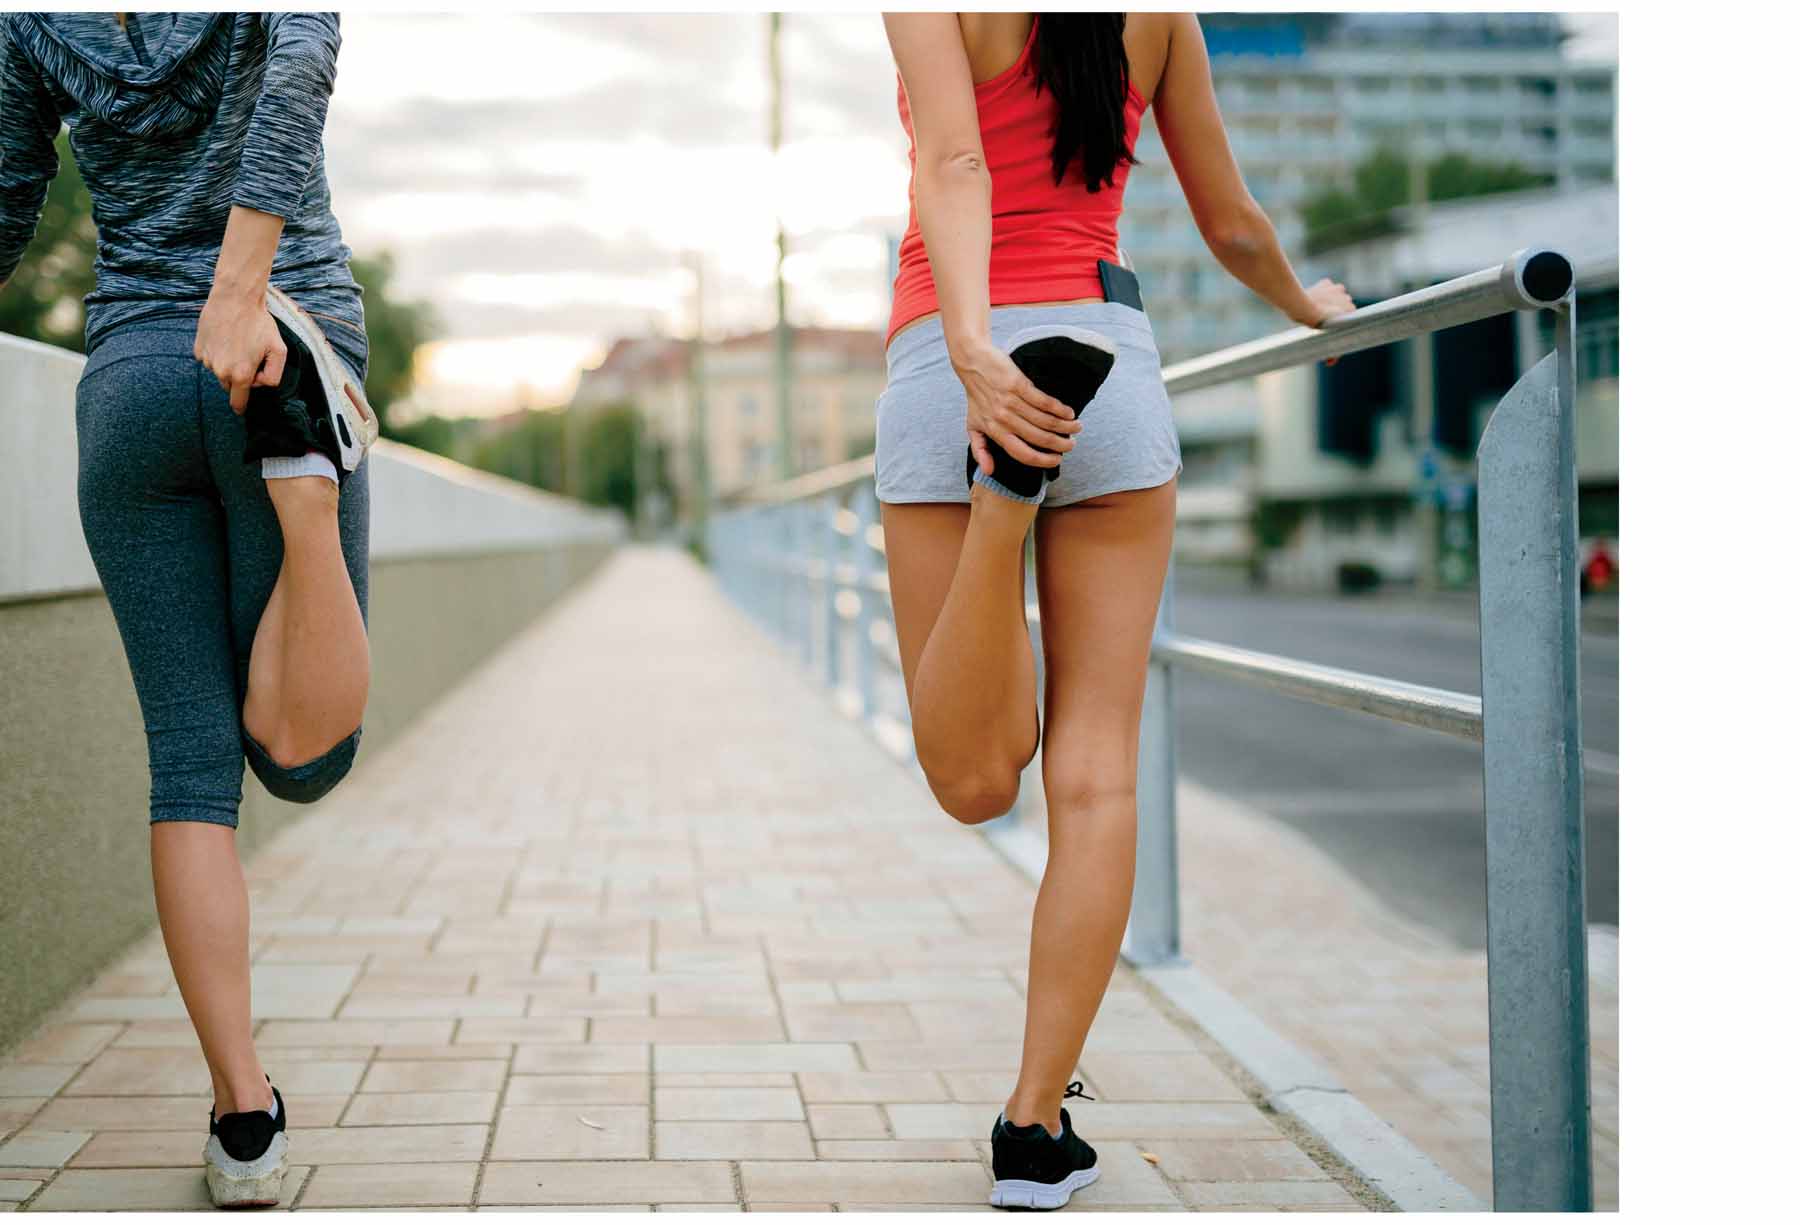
[(460, 561)]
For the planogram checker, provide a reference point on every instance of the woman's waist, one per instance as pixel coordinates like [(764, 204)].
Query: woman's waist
[(923, 338)]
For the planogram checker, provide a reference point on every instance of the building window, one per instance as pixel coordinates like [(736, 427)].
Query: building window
[(1543, 87), (1593, 85), (1428, 85), (1482, 85)]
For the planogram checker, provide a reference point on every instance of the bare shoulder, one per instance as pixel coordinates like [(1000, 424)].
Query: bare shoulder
[(1147, 38)]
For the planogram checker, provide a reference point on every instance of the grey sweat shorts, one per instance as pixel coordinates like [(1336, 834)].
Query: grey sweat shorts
[(1127, 439)]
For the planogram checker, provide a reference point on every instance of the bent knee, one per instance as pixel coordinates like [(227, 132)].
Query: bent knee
[(976, 800), (287, 776)]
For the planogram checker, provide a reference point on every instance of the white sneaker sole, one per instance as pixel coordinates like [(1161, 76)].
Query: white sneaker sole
[(1040, 1196), (245, 1184), (351, 418)]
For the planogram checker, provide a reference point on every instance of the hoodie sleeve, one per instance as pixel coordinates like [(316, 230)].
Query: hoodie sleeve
[(27, 151), (282, 145)]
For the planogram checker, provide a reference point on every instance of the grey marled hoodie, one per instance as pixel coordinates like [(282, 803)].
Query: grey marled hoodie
[(174, 120)]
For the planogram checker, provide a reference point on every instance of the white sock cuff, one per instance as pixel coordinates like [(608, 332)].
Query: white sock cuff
[(313, 463)]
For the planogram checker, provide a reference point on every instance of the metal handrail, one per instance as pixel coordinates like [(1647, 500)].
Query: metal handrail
[(800, 536)]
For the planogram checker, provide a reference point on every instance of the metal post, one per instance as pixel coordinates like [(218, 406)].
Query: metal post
[(829, 551), (784, 421), (1153, 936), (862, 555), (1531, 766)]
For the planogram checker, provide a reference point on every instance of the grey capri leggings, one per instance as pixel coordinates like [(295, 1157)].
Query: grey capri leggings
[(187, 545)]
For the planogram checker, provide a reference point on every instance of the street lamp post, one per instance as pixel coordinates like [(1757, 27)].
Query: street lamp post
[(783, 344)]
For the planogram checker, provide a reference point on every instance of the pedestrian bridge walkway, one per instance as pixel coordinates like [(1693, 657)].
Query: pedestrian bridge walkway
[(633, 918)]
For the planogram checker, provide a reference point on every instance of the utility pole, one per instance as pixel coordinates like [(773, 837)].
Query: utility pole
[(783, 357), (702, 468), (1424, 386)]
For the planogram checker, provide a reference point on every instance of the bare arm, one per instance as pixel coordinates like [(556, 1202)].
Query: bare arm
[(237, 339), (27, 152), (953, 194), (1235, 228)]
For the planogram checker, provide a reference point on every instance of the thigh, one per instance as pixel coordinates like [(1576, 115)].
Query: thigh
[(923, 541), (1100, 570), (157, 537)]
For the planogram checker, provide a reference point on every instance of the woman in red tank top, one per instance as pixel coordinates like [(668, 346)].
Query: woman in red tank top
[(1022, 129)]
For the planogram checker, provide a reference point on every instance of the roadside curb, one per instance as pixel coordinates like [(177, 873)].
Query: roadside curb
[(1297, 1085)]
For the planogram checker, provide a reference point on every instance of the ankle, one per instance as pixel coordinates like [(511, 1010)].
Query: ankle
[(239, 1095), (1022, 1112)]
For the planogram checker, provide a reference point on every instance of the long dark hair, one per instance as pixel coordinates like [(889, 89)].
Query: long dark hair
[(1080, 57)]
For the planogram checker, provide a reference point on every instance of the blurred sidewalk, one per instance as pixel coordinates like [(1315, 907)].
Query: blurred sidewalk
[(634, 917)]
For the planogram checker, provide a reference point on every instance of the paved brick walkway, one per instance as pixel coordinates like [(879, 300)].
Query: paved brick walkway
[(633, 918)]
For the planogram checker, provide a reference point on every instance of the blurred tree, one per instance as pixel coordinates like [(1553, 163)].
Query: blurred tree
[(529, 447), (43, 298), (396, 330), (1380, 188)]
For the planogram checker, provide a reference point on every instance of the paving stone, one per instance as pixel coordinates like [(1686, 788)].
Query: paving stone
[(919, 1182), (391, 1184), (617, 1182), (871, 1087), (1242, 1161), (764, 1057), (433, 1076), (624, 1090), (557, 1133), (728, 1104), (847, 1122), (1266, 1195), (35, 1079), (66, 1043), (380, 1109), (733, 1141), (41, 1148)]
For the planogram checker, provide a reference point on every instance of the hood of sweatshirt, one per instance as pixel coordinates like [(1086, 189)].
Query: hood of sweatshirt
[(163, 74)]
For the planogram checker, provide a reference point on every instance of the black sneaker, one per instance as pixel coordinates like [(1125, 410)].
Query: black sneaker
[(246, 1157), (291, 418), (1032, 1170), (1065, 362)]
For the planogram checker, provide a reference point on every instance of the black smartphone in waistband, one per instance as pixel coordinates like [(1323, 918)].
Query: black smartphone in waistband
[(1119, 284)]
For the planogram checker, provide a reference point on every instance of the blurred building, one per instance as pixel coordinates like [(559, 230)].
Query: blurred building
[(1306, 96), (1308, 470), (837, 376)]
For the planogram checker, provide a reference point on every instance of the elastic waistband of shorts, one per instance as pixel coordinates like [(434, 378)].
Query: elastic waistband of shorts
[(1125, 324), (173, 336)]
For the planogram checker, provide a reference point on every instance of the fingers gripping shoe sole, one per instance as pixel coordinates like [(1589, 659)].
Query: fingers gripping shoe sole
[(1066, 362)]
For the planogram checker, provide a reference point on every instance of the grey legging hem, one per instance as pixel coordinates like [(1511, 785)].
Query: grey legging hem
[(188, 548)]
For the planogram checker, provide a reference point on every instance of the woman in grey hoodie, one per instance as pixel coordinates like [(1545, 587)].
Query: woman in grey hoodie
[(240, 590)]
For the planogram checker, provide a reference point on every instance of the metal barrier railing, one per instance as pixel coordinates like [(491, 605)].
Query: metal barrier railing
[(803, 557)]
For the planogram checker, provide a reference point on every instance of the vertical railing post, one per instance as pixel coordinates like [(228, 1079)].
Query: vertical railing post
[(1532, 778), (862, 554), (830, 550), (1153, 936)]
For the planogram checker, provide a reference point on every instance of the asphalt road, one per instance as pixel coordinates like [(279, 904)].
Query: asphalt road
[(1398, 807)]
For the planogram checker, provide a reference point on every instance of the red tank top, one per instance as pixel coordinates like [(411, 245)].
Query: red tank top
[(1047, 236)]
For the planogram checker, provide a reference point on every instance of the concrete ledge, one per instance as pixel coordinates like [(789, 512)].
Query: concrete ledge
[(460, 561)]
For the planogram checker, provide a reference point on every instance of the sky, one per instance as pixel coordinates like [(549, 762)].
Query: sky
[(542, 179), (545, 180)]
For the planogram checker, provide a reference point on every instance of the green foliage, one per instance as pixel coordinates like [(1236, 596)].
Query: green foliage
[(533, 447), (1381, 187), (42, 300), (396, 330)]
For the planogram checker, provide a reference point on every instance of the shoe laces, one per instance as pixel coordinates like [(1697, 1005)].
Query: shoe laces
[(1074, 1090)]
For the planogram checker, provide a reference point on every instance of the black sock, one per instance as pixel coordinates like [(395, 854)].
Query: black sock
[(1061, 366)]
